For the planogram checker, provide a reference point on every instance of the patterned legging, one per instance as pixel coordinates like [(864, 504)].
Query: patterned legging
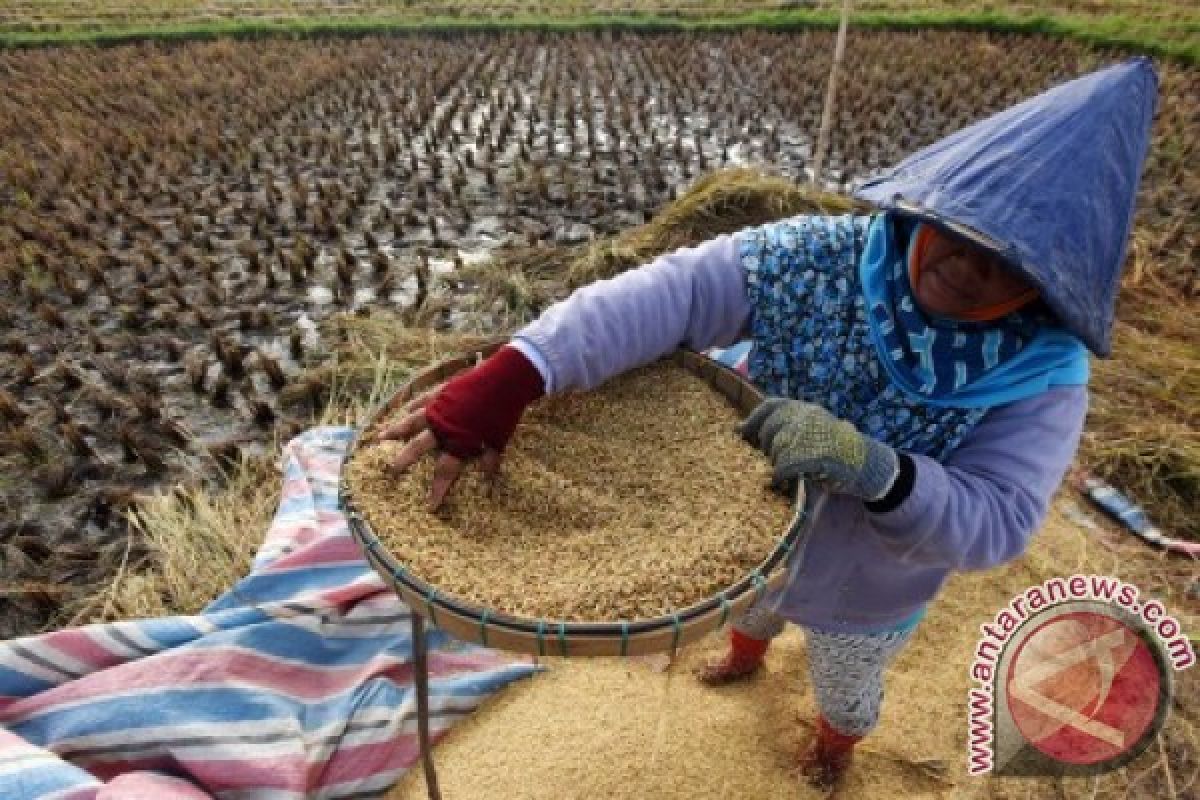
[(846, 669)]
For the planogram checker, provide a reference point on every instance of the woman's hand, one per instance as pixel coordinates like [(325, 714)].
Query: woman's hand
[(804, 440), (472, 415), (413, 429)]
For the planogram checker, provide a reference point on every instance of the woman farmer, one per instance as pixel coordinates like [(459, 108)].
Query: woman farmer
[(926, 369)]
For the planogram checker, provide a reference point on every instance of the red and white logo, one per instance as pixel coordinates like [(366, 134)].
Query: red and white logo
[(1083, 687), (1073, 677)]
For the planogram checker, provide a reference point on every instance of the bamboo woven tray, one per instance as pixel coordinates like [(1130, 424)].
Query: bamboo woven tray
[(493, 628)]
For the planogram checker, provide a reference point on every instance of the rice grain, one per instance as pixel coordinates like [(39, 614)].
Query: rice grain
[(631, 501)]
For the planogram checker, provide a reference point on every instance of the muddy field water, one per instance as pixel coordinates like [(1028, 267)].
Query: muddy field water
[(158, 313)]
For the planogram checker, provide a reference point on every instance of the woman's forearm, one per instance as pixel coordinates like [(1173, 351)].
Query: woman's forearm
[(980, 507), (694, 297)]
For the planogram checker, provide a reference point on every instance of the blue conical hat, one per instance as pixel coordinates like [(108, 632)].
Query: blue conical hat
[(1048, 184)]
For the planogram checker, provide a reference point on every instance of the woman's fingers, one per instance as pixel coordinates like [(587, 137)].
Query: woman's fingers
[(446, 469), (489, 465), (422, 400), (445, 473), (411, 424), (405, 429), (412, 452), (489, 462), (751, 427), (415, 431)]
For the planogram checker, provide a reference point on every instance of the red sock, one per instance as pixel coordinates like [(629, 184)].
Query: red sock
[(832, 740), (747, 649), (828, 754)]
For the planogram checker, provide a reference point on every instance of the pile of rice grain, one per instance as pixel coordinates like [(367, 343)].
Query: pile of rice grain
[(632, 501)]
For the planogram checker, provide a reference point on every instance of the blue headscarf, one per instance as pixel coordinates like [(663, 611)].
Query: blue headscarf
[(949, 363)]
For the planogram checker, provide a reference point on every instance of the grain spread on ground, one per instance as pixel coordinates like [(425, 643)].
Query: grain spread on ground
[(631, 501)]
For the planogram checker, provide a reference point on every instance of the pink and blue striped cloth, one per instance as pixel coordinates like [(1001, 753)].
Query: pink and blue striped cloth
[(736, 357), (297, 683)]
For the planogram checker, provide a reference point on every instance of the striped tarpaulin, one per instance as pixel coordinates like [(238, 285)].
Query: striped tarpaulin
[(736, 357), (297, 683)]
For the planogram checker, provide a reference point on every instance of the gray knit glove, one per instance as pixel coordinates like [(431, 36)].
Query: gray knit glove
[(806, 441)]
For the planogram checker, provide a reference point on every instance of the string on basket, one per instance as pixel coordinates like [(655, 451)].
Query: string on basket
[(429, 597)]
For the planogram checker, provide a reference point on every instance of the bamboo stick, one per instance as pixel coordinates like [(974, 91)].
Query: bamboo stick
[(830, 95)]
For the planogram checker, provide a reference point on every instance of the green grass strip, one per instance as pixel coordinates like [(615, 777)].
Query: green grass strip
[(1123, 32)]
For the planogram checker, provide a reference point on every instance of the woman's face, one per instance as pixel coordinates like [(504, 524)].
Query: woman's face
[(956, 278)]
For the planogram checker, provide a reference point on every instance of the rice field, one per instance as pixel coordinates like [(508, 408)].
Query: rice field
[(179, 221), (61, 15)]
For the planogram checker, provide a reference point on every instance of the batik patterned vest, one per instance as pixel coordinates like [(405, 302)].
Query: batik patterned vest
[(811, 340)]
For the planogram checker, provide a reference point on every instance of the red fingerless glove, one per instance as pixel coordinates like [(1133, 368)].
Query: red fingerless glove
[(480, 407)]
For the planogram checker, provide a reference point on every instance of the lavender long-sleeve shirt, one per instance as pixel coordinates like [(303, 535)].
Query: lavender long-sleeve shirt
[(861, 571)]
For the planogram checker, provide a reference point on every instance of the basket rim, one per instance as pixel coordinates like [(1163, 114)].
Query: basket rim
[(392, 571)]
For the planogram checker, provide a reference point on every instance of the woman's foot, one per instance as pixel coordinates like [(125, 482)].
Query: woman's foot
[(828, 756), (743, 659)]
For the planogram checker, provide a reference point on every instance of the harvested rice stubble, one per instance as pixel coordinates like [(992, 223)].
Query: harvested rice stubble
[(628, 502)]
